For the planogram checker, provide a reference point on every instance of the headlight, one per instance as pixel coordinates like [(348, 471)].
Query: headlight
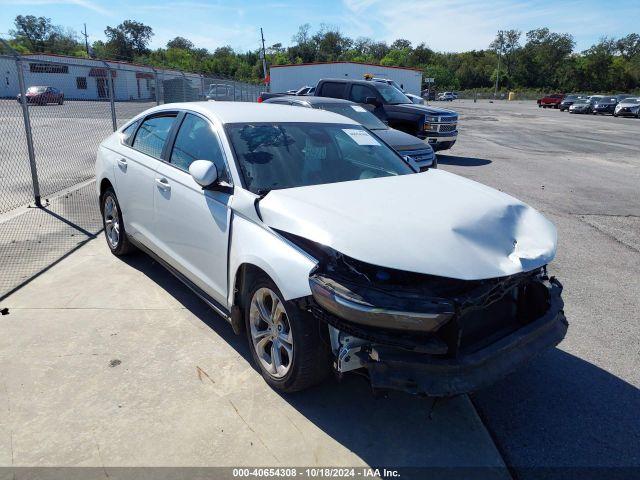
[(430, 119)]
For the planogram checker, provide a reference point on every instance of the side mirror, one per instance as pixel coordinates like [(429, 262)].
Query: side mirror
[(204, 172), (371, 101)]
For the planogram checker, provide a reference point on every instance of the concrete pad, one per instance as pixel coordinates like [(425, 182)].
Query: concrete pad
[(114, 363)]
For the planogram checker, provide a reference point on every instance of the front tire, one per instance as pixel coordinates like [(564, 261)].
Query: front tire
[(284, 340), (113, 225)]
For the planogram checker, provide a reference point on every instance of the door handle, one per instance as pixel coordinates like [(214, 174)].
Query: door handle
[(122, 163), (163, 184)]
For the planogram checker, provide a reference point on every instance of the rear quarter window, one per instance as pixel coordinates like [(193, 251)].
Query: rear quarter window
[(152, 135)]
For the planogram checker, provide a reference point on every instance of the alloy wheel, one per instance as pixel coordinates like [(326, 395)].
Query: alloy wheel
[(111, 221), (271, 332)]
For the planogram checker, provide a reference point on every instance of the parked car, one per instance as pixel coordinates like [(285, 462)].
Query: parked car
[(446, 97), (306, 90), (550, 101), (42, 95), (569, 100), (628, 107), (220, 92), (604, 105), (428, 94), (289, 223), (421, 154), (582, 105), (436, 126)]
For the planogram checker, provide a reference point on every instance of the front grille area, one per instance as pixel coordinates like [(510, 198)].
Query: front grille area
[(449, 119), (447, 128)]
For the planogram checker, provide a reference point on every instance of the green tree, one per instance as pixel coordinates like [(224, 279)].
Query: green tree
[(128, 39)]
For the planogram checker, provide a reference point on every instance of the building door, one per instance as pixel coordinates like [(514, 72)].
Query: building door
[(103, 86)]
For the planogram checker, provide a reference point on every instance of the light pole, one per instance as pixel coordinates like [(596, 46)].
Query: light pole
[(264, 56)]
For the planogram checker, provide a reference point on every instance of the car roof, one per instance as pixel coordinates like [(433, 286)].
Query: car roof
[(244, 112), (311, 99)]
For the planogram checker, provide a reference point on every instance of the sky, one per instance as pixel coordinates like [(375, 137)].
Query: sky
[(444, 25)]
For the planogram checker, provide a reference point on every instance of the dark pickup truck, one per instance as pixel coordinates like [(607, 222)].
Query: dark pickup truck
[(436, 126)]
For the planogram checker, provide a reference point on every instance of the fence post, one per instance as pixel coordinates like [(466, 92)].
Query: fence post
[(111, 91), (27, 128), (155, 79), (184, 87), (161, 97)]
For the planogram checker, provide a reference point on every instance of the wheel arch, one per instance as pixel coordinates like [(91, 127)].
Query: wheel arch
[(255, 250)]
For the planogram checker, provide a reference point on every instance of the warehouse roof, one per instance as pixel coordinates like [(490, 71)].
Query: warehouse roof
[(351, 63)]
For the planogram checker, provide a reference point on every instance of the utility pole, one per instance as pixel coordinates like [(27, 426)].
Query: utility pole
[(264, 56), (501, 38), (86, 39)]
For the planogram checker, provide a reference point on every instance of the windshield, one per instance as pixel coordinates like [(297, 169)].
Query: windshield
[(581, 102), (391, 94), (287, 155), (607, 100), (629, 101), (36, 89), (355, 112)]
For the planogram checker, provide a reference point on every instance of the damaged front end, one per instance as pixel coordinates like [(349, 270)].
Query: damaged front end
[(427, 334)]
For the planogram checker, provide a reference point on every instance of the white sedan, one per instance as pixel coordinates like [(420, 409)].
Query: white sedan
[(320, 243)]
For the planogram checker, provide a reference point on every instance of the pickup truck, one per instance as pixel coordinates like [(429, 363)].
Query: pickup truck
[(550, 101), (436, 126)]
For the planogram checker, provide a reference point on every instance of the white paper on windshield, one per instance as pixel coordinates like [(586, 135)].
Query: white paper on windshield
[(358, 108), (360, 136)]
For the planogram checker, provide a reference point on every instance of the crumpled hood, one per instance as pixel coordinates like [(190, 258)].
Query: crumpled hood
[(434, 223)]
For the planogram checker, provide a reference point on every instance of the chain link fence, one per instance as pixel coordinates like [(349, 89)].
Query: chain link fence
[(55, 111)]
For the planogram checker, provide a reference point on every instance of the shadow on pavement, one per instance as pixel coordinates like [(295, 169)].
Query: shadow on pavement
[(564, 418), (462, 161), (424, 437)]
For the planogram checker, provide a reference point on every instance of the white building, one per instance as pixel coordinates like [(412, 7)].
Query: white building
[(88, 79), (293, 77)]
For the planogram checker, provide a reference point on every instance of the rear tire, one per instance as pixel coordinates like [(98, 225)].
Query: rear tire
[(114, 231), (284, 340)]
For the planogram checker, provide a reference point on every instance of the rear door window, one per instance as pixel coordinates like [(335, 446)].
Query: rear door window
[(333, 89), (152, 135), (197, 141)]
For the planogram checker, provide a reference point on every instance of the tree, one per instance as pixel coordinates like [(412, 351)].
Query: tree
[(32, 31), (401, 44), (629, 46), (330, 44), (128, 39), (507, 44), (181, 43)]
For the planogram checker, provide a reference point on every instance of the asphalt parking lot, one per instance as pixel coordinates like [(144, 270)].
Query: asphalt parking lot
[(577, 406), (108, 363)]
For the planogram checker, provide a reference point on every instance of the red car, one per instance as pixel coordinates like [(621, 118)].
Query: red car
[(42, 95), (550, 101)]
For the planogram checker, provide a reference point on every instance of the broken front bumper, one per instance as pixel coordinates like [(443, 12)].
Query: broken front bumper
[(423, 363), (399, 370)]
